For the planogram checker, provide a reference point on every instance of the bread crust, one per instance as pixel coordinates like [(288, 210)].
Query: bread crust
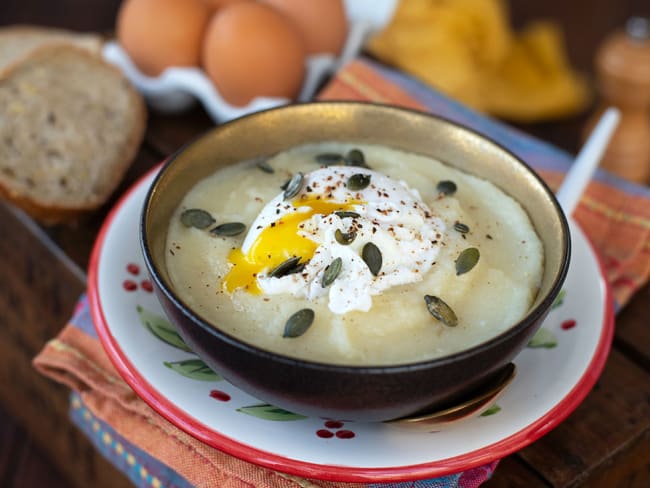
[(52, 213), (22, 39)]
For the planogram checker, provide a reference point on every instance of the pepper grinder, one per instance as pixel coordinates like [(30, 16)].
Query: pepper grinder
[(623, 75)]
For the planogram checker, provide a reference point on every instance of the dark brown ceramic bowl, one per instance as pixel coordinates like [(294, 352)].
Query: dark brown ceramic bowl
[(351, 392)]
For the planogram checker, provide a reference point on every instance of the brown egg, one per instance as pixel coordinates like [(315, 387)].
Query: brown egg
[(323, 23), (252, 50), (161, 33), (214, 4)]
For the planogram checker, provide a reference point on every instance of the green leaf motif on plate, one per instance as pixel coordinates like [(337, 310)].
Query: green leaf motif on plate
[(491, 411), (559, 300), (162, 329), (269, 412), (543, 338), (194, 369)]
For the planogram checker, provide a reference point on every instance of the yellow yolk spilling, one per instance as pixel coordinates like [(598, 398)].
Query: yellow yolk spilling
[(278, 242)]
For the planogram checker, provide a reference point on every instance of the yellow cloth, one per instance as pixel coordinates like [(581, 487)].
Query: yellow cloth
[(466, 49)]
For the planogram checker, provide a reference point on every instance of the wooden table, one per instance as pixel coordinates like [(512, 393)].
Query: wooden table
[(605, 442)]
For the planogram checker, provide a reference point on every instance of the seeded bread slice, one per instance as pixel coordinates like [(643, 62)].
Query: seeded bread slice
[(70, 125), (16, 41)]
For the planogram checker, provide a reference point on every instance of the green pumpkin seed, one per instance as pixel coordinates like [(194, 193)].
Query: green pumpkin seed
[(462, 228), (266, 167), (345, 213), (290, 266), (446, 187), (329, 159), (195, 217), (294, 185), (344, 238), (372, 257), (440, 310), (466, 260), (331, 272), (355, 157), (298, 323), (229, 229), (358, 181)]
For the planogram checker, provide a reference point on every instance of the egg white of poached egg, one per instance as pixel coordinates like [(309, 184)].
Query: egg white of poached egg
[(390, 215)]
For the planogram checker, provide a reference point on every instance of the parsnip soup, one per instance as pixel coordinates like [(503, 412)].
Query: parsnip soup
[(354, 254)]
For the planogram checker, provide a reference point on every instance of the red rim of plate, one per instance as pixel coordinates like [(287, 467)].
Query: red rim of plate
[(478, 457)]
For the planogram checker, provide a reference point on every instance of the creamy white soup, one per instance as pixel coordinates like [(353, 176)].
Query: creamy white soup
[(354, 254)]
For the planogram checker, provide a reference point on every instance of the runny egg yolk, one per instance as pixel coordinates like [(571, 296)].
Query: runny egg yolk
[(278, 242)]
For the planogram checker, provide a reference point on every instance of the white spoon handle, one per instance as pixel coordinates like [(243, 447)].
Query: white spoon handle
[(587, 161)]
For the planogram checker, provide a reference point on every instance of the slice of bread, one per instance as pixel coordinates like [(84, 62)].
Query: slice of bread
[(70, 125), (16, 41)]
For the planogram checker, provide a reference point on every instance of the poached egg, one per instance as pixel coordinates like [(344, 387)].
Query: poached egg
[(330, 218)]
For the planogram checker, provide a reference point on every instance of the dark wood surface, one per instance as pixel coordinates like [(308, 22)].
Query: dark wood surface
[(605, 442)]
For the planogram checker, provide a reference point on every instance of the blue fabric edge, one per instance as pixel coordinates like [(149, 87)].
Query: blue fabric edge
[(143, 470)]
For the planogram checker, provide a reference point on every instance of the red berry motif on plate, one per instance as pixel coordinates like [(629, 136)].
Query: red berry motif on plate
[(222, 396), (334, 425), (568, 324), (130, 285), (344, 434)]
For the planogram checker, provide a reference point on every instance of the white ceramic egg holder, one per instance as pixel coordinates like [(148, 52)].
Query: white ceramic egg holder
[(177, 89)]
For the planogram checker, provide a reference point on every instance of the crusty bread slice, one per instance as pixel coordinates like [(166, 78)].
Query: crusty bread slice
[(16, 41), (70, 125)]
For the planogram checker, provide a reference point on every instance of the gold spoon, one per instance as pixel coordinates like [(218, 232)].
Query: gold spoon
[(469, 408)]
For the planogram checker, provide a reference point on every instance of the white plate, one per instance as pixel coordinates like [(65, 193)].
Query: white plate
[(550, 381), (177, 88)]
